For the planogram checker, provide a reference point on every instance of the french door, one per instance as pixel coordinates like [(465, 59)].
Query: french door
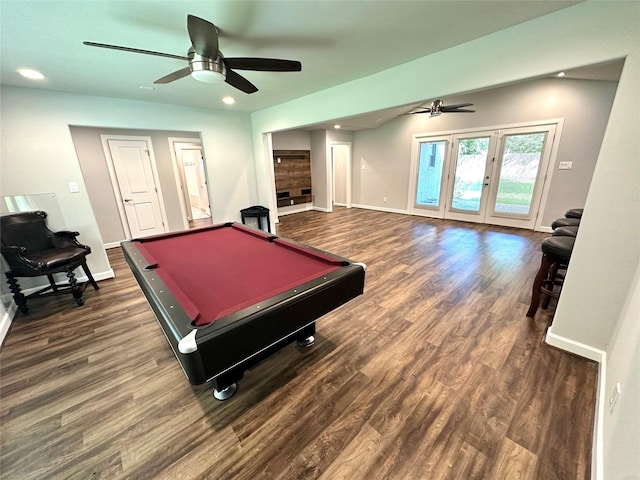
[(491, 176)]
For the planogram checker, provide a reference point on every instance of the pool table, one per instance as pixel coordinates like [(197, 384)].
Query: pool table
[(227, 296)]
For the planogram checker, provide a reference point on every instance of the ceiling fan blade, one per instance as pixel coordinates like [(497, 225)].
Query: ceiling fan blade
[(239, 82), (455, 106), (263, 64), (178, 74), (135, 50), (204, 36), (457, 110), (424, 110)]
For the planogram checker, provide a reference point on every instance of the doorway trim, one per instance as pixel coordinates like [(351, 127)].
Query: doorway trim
[(104, 138), (546, 173), (347, 175), (178, 175)]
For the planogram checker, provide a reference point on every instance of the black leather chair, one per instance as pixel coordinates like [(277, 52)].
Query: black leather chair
[(31, 250)]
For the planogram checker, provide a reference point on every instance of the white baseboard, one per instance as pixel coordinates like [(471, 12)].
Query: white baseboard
[(107, 246), (289, 209), (543, 229), (380, 209), (599, 356), (572, 346), (5, 321)]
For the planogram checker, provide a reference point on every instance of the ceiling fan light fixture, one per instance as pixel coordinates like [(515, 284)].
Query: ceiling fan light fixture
[(207, 70), (208, 76)]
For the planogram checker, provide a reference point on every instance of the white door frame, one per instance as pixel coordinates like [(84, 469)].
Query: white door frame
[(178, 175), (546, 170), (104, 138), (347, 176), (424, 210)]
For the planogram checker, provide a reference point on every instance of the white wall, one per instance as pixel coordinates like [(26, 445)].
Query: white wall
[(622, 425), (291, 140), (606, 257), (38, 156), (385, 152)]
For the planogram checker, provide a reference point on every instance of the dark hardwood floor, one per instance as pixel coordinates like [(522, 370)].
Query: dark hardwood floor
[(434, 373)]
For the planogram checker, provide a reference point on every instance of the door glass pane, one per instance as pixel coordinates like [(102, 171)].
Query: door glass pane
[(430, 173), (470, 167), (518, 171)]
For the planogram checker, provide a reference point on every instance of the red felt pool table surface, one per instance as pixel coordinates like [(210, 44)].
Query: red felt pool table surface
[(216, 271)]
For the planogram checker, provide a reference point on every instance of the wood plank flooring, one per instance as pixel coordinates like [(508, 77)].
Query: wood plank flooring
[(434, 373)]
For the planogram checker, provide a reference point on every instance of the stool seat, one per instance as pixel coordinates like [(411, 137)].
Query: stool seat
[(556, 253), (569, 231), (574, 213), (559, 247), (565, 222)]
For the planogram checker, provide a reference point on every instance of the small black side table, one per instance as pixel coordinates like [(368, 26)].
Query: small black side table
[(258, 212)]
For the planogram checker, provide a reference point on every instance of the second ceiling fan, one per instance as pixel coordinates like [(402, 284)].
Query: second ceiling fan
[(206, 62), (438, 107)]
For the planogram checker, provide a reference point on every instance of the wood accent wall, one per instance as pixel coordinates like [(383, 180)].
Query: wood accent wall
[(292, 170)]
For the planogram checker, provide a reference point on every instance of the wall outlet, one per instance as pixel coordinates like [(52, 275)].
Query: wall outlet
[(384, 199), (565, 165), (614, 396)]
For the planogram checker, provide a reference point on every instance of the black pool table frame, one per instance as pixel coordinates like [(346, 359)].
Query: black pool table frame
[(221, 351)]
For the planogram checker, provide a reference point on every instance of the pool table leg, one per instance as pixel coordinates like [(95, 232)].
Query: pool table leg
[(225, 393), (307, 342)]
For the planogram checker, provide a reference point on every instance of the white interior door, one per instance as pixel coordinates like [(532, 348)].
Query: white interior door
[(136, 186)]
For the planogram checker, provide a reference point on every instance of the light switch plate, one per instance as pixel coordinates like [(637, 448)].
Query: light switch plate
[(565, 165), (73, 187)]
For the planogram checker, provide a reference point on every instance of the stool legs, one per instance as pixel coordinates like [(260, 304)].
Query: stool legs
[(543, 272)]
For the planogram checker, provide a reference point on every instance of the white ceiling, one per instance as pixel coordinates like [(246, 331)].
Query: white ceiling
[(336, 41)]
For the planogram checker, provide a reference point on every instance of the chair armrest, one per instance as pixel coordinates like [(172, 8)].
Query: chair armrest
[(16, 260), (65, 238)]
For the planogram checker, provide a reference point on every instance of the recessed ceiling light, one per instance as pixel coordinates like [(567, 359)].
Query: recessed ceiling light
[(228, 100), (561, 74), (146, 87), (337, 127), (30, 73)]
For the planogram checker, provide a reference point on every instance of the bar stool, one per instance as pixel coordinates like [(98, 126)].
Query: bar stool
[(565, 222), (574, 213), (568, 231), (556, 252), (260, 213)]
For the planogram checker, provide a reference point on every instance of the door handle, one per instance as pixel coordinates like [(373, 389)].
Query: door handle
[(127, 200)]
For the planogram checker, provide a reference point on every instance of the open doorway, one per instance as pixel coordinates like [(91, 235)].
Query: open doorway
[(341, 174), (191, 180)]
